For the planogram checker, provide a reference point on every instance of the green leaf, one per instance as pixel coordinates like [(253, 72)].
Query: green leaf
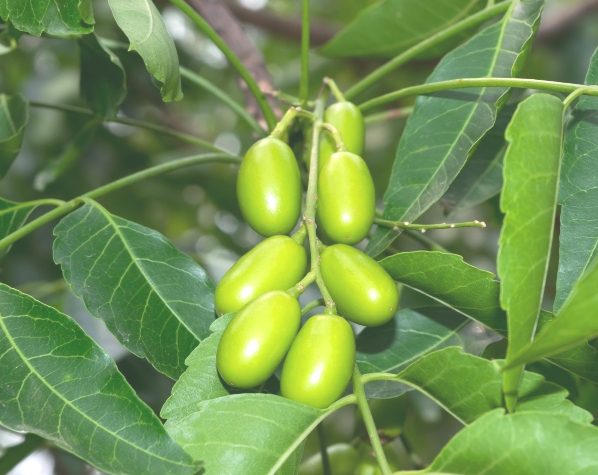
[(409, 336), (522, 443), (386, 28), (57, 383), (14, 115), (579, 192), (481, 177), (575, 323), (528, 199), (444, 128), (13, 216), (103, 81), (245, 434), (448, 279), (157, 301), (474, 293), (199, 382), (468, 386), (141, 22), (64, 18)]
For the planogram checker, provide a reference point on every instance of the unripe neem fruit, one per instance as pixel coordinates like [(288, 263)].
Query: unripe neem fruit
[(342, 458), (346, 198), (269, 187), (348, 120), (276, 263), (257, 338), (361, 288), (320, 362)]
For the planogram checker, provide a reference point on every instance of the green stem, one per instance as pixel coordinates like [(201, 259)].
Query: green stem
[(368, 420), (323, 450), (463, 83), (224, 97), (14, 455), (140, 124), (68, 206), (309, 217), (311, 305), (336, 136), (305, 30), (232, 58), (574, 95), (334, 89), (303, 284), (397, 225), (428, 43), (391, 114)]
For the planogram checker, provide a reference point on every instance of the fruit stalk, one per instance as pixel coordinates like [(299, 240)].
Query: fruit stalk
[(309, 218), (368, 420)]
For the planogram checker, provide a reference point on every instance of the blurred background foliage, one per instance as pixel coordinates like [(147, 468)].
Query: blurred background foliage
[(196, 208)]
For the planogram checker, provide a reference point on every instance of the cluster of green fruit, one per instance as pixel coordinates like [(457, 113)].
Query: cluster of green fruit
[(261, 287)]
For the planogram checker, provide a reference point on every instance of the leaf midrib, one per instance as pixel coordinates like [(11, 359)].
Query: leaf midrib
[(68, 403), (139, 267), (473, 110)]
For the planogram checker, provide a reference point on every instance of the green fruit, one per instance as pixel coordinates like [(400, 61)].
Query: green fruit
[(320, 362), (276, 263), (361, 288), (342, 458), (256, 340), (348, 120), (269, 187), (347, 200)]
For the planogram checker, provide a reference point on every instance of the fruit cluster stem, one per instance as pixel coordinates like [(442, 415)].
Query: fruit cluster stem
[(368, 420), (309, 217)]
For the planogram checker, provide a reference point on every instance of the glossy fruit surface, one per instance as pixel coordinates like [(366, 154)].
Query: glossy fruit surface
[(320, 362), (348, 120), (276, 263), (347, 200), (342, 458), (269, 187), (361, 288), (256, 340)]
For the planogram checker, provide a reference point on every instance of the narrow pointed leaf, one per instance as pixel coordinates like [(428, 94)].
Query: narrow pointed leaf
[(579, 192), (198, 383), (65, 18), (481, 177), (409, 336), (528, 199), (521, 443), (468, 386), (245, 434), (444, 128), (391, 26), (57, 383), (103, 81), (575, 323), (141, 22), (14, 115), (157, 301), (474, 293), (12, 216), (447, 278)]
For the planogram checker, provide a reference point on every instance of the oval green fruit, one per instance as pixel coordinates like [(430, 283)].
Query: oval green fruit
[(361, 288), (347, 199), (256, 340), (320, 362), (276, 263), (269, 187), (348, 120), (342, 458)]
